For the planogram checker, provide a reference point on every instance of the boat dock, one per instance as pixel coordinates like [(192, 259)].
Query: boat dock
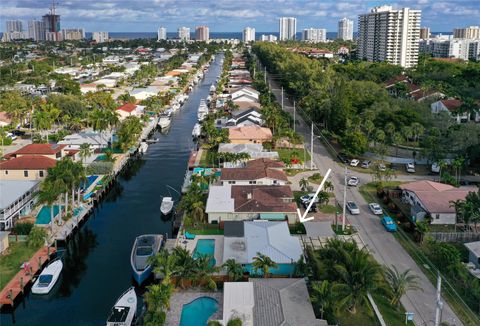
[(25, 276), (64, 231)]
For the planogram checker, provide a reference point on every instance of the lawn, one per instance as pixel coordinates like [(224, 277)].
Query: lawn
[(206, 229), (10, 264), (207, 159), (286, 153), (361, 317), (391, 316)]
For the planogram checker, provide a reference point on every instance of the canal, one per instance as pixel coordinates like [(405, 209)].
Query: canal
[(97, 261)]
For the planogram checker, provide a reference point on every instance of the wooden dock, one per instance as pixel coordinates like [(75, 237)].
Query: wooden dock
[(25, 276)]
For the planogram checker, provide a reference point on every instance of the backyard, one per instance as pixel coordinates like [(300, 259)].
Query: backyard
[(10, 263)]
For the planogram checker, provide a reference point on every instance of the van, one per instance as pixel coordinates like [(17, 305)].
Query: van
[(435, 168)]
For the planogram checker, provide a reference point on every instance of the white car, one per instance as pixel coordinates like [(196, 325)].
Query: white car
[(382, 167), (11, 136), (375, 208), (353, 208), (352, 181), (354, 162), (410, 167)]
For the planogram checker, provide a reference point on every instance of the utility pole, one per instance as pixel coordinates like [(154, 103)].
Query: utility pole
[(282, 98), (265, 74), (294, 110), (344, 199), (439, 307), (311, 149)]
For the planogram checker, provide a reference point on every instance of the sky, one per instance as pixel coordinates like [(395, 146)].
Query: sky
[(229, 15)]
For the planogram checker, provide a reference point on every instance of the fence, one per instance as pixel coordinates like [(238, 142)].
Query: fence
[(17, 238), (454, 236)]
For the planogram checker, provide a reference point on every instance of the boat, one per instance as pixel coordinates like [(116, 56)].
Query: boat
[(197, 130), (48, 277), (212, 89), (124, 311), (166, 206), (202, 110), (144, 247), (143, 147), (164, 122), (152, 140)]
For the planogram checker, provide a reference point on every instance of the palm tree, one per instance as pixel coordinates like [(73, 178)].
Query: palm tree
[(400, 283), (397, 139), (303, 183), (323, 296), (264, 263), (234, 269), (198, 211), (461, 211), (457, 166), (85, 151), (164, 265), (98, 120), (185, 265), (203, 271), (48, 195), (323, 197), (407, 132), (328, 185), (389, 130), (418, 129)]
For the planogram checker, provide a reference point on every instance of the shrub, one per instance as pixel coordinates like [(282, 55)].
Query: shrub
[(23, 228), (234, 322), (100, 168), (36, 237), (214, 323)]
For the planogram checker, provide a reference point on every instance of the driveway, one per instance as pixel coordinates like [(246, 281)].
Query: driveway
[(382, 244)]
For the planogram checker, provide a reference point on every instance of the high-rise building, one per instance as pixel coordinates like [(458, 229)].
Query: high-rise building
[(268, 38), (345, 29), (287, 28), (202, 33), (389, 35), (73, 34), (471, 32), (449, 47), (425, 33), (161, 33), (13, 26), (248, 34), (36, 30), (314, 35), (52, 27), (100, 37), (184, 33)]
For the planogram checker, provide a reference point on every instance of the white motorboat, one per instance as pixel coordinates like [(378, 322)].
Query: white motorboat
[(48, 277), (152, 140), (197, 130), (202, 110), (164, 122), (166, 206), (123, 313), (144, 247), (143, 147), (212, 89)]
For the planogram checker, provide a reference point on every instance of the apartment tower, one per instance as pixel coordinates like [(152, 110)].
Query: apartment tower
[(202, 33), (287, 28), (161, 33), (248, 34), (345, 29)]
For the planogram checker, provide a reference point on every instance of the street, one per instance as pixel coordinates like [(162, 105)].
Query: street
[(383, 245)]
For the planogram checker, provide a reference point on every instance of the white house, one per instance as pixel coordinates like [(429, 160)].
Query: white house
[(16, 200), (247, 94), (144, 93), (450, 106)]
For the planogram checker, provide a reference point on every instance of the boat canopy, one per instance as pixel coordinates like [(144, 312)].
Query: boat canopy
[(118, 315)]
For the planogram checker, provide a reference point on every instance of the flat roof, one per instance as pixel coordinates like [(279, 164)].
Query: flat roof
[(11, 190)]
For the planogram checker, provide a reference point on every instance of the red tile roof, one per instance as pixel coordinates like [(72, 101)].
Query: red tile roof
[(452, 104), (129, 107), (250, 132), (265, 163), (34, 162), (39, 149), (252, 174), (261, 199)]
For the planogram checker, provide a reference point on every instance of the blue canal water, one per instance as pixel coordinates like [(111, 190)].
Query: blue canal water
[(197, 312), (97, 260), (205, 247)]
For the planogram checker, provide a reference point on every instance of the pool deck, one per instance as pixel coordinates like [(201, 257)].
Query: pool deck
[(63, 231), (191, 244), (179, 299)]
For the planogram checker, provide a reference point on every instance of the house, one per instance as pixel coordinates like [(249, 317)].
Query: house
[(474, 253), (144, 93), (247, 117), (4, 243), (259, 175), (96, 140), (245, 94), (269, 302), (256, 151), (27, 167), (411, 90), (130, 109), (16, 200), (85, 88), (245, 105), (107, 82), (249, 135), (52, 151), (241, 203), (5, 119), (451, 106), (428, 198), (244, 240)]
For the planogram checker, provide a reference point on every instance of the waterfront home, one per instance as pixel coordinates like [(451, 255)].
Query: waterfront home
[(144, 93), (247, 94), (251, 174), (130, 109), (96, 140), (243, 203), (256, 151), (269, 302), (432, 199), (16, 200), (53, 151), (244, 240), (245, 105), (249, 135), (246, 117), (29, 167), (85, 88), (452, 106)]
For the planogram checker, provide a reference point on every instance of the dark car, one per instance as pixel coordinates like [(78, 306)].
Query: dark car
[(18, 133), (313, 209), (343, 158)]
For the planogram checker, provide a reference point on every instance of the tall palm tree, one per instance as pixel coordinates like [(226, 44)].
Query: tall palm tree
[(185, 265), (203, 272), (198, 211), (418, 129), (48, 195), (323, 296), (263, 263), (85, 152), (164, 265), (303, 183), (400, 283), (234, 269)]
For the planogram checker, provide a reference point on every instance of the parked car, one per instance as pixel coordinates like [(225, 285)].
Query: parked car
[(366, 164), (353, 208), (410, 167), (11, 136), (382, 167), (308, 198), (435, 168), (313, 208), (352, 181), (375, 208), (343, 158), (389, 224), (354, 162), (17, 132)]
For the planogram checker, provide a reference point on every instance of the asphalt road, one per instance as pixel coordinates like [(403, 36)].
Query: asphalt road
[(383, 245)]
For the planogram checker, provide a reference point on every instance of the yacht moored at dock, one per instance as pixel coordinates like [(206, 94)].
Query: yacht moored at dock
[(144, 247), (197, 130), (143, 147), (164, 122), (202, 110), (48, 277), (124, 311), (166, 206)]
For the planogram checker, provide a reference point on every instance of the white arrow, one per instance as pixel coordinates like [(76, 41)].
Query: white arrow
[(303, 217)]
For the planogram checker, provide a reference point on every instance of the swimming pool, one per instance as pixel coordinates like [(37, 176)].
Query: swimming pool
[(205, 247), (197, 312), (43, 216)]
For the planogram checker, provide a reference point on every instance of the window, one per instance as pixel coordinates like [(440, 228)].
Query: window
[(252, 182), (58, 154), (231, 182), (6, 172), (40, 174), (25, 174), (437, 216)]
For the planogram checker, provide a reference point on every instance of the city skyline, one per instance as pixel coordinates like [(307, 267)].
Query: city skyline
[(230, 16)]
